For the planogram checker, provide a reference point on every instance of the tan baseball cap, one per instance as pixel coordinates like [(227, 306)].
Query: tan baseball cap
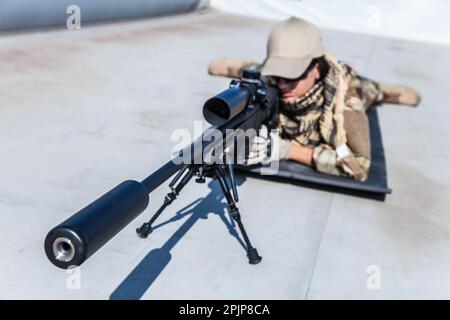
[(291, 47)]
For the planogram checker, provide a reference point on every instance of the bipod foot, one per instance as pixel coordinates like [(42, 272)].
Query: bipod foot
[(144, 230), (253, 256)]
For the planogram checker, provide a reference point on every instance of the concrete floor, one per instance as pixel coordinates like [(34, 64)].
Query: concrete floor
[(80, 111)]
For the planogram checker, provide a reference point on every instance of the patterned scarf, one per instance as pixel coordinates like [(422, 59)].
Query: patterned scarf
[(318, 115), (299, 119)]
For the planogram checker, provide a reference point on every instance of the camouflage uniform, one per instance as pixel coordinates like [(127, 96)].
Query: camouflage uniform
[(330, 115), (316, 121)]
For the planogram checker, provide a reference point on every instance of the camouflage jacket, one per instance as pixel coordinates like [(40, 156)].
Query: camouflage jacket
[(334, 123), (331, 118)]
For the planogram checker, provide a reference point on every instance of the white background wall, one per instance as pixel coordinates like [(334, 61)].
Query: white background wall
[(421, 20)]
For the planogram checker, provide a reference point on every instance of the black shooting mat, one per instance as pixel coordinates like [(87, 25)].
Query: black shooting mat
[(374, 187)]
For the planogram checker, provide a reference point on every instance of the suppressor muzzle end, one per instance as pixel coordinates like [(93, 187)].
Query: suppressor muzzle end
[(64, 248)]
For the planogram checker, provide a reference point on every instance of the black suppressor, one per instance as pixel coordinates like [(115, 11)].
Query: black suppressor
[(77, 238)]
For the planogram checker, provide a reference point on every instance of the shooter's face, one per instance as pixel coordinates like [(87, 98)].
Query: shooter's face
[(292, 89)]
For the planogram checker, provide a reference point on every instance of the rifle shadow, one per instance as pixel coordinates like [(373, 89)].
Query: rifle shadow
[(152, 265)]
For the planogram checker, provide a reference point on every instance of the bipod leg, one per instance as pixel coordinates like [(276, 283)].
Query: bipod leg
[(252, 253), (146, 228)]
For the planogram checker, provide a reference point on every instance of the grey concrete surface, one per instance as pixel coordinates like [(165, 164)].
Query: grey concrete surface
[(80, 111)]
